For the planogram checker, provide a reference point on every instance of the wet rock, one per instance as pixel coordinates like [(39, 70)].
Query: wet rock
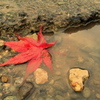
[(41, 76), (77, 78), (26, 90), (69, 13), (86, 92), (10, 98)]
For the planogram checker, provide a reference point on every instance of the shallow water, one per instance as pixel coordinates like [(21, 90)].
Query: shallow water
[(82, 50)]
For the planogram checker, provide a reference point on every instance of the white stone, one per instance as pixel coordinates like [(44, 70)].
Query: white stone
[(41, 76), (77, 78)]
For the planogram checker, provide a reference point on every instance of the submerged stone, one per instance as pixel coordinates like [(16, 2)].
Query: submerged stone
[(26, 90), (4, 78), (86, 92), (41, 76)]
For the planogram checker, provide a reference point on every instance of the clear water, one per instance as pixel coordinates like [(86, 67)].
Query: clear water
[(82, 49)]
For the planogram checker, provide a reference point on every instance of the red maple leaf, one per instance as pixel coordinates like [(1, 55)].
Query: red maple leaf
[(30, 50)]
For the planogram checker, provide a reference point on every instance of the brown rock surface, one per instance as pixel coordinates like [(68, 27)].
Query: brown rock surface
[(77, 78), (41, 76)]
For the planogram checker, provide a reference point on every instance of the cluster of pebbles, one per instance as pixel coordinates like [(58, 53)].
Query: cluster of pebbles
[(77, 78)]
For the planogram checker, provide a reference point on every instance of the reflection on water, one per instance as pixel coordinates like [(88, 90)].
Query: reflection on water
[(82, 50), (75, 29)]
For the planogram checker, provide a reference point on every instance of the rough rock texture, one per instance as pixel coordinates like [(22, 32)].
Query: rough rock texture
[(77, 78), (41, 76), (25, 16)]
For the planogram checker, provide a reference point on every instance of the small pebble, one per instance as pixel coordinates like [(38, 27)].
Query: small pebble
[(86, 92), (58, 97), (4, 79), (41, 76), (6, 85), (25, 90), (51, 82), (98, 96)]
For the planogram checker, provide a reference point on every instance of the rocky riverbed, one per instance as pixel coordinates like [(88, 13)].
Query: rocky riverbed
[(78, 54)]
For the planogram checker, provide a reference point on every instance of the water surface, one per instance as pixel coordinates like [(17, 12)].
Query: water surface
[(82, 50)]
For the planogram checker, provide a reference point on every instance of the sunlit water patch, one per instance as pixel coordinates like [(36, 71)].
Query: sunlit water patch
[(82, 50)]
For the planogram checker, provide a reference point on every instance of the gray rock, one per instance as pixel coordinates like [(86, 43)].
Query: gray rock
[(25, 90)]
